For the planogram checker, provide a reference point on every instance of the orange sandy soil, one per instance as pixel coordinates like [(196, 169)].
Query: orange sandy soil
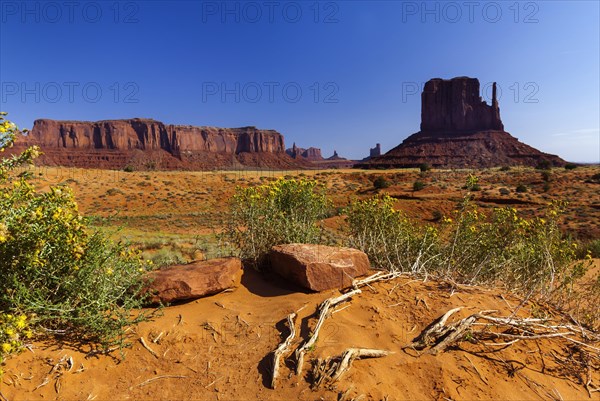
[(218, 348), (193, 203)]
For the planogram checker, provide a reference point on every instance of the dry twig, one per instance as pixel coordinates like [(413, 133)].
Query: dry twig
[(324, 313), (283, 348)]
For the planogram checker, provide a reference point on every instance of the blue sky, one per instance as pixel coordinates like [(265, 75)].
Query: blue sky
[(340, 75)]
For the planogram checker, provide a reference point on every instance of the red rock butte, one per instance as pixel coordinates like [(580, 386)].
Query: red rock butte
[(148, 144), (460, 130)]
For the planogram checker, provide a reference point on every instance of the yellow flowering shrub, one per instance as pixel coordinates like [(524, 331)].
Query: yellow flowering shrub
[(391, 240), (281, 212), (529, 256), (67, 278), (14, 330)]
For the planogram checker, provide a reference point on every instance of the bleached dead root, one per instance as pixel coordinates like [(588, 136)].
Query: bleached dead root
[(329, 370), (490, 330), (283, 348)]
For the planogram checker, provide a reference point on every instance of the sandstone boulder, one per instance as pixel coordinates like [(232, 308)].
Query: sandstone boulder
[(194, 280), (318, 267)]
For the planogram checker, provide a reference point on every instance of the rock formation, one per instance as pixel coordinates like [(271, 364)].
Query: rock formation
[(460, 130), (310, 154), (146, 143), (376, 151)]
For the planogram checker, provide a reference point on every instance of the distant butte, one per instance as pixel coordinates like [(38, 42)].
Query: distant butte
[(460, 130), (149, 144)]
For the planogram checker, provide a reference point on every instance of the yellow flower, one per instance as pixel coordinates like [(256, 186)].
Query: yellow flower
[(6, 347), (9, 332), (21, 322), (109, 272)]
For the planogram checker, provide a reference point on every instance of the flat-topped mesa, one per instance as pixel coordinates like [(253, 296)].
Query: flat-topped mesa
[(118, 143), (148, 134), (455, 106)]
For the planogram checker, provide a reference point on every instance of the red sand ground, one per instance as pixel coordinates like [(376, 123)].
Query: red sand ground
[(218, 348)]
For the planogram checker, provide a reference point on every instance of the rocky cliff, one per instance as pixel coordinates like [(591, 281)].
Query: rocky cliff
[(146, 143), (310, 154), (458, 130)]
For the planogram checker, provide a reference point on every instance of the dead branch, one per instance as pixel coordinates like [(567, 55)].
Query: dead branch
[(356, 353), (148, 347), (331, 369), (146, 382), (434, 331), (283, 348), (323, 314)]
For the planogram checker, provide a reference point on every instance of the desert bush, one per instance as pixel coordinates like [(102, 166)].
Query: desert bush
[(505, 168), (381, 183), (591, 247), (281, 212), (418, 185), (472, 183), (391, 240), (570, 166), (524, 255), (546, 175), (423, 167), (521, 188), (60, 275), (470, 246), (544, 165), (14, 330)]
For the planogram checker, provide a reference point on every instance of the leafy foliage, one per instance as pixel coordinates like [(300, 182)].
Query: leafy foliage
[(381, 183), (281, 212), (388, 236), (529, 256), (55, 271)]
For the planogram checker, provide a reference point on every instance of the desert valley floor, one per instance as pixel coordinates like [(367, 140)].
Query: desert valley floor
[(219, 347)]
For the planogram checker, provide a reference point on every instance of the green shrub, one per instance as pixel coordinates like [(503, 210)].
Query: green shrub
[(522, 254), (499, 248), (424, 167), (521, 188), (418, 185), (544, 165), (13, 331), (472, 183), (570, 166), (281, 212), (505, 168), (55, 271), (546, 175), (391, 240), (381, 183)]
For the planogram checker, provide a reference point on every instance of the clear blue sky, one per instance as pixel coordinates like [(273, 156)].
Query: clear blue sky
[(336, 75)]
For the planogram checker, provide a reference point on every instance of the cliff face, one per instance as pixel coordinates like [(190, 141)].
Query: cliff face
[(454, 105), (117, 143), (460, 130), (310, 154)]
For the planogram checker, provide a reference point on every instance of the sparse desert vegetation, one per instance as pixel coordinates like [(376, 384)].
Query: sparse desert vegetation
[(73, 276)]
